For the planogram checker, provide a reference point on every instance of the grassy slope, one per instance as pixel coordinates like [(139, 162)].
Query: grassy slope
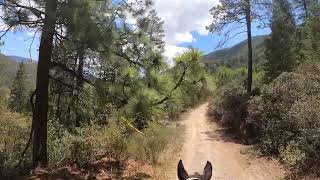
[(8, 69), (237, 54)]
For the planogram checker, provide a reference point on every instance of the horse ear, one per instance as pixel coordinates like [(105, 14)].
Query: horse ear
[(182, 173), (207, 173)]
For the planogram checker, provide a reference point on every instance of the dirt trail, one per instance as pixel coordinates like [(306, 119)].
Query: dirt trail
[(205, 140)]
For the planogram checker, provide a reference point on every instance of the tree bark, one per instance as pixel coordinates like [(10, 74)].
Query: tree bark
[(79, 85), (248, 21), (40, 116), (305, 7)]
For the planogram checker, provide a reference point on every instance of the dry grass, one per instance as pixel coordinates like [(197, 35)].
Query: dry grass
[(166, 168)]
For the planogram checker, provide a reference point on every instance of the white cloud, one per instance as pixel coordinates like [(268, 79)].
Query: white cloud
[(181, 17), (183, 37), (172, 51)]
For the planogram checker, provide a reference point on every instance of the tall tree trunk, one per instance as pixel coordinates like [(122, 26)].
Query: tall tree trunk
[(305, 7), (40, 116), (79, 85), (248, 21)]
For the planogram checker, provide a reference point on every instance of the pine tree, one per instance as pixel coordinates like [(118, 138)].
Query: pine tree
[(19, 91), (231, 16), (280, 52), (311, 34)]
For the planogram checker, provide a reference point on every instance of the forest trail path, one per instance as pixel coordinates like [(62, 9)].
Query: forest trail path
[(206, 141)]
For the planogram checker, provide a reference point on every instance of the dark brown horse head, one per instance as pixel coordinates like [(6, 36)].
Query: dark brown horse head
[(183, 175)]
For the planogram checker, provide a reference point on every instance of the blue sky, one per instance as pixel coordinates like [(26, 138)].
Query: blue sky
[(184, 25), (208, 43), (20, 43)]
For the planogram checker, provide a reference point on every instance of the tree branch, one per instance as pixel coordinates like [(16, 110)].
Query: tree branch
[(60, 81), (14, 4), (70, 71), (228, 38), (175, 87)]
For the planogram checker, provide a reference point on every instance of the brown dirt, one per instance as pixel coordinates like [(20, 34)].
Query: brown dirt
[(104, 169), (206, 141)]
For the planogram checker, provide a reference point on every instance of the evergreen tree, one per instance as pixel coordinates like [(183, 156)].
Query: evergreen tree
[(19, 93), (231, 16), (311, 34), (280, 52)]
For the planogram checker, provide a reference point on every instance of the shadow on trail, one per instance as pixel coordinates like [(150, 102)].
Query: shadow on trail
[(221, 135)]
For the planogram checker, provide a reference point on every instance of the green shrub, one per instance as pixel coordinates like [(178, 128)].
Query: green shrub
[(82, 151), (230, 106), (59, 143), (116, 141), (287, 115), (291, 155), (111, 141), (85, 144), (14, 134)]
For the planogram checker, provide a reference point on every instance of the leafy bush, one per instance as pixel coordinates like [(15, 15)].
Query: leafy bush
[(110, 141), (86, 144), (83, 145), (287, 115), (82, 151), (292, 154), (59, 143), (230, 106), (14, 134)]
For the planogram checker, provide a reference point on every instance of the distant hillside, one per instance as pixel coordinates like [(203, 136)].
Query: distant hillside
[(8, 68), (236, 55), (20, 59)]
